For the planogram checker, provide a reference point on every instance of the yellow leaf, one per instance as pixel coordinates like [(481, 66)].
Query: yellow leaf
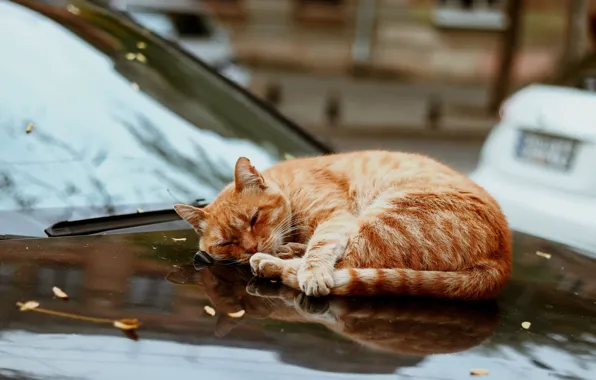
[(59, 293), (479, 372), (526, 325), (72, 9), (542, 254), (29, 305), (209, 310), (127, 324), (179, 239), (237, 314), (30, 127)]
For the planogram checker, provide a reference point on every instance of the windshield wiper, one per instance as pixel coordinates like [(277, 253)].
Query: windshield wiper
[(115, 222)]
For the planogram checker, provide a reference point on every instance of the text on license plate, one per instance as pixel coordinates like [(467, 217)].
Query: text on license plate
[(546, 150)]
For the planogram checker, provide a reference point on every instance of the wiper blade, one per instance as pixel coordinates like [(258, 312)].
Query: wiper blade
[(114, 222)]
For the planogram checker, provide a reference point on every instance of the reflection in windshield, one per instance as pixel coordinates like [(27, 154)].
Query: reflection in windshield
[(148, 276), (117, 128)]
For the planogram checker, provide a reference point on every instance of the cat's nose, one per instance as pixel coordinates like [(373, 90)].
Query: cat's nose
[(252, 249)]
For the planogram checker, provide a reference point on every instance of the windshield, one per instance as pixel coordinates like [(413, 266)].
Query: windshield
[(98, 117)]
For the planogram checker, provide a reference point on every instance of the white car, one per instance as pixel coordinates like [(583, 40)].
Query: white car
[(539, 163), (195, 29)]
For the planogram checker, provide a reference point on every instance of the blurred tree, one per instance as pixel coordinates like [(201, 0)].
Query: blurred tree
[(508, 50), (576, 40)]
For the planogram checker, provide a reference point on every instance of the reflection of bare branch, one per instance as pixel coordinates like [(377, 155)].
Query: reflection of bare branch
[(76, 155), (10, 189), (108, 201), (27, 202), (51, 140), (200, 168), (174, 185)]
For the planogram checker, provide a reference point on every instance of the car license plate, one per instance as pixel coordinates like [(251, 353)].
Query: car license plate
[(546, 150)]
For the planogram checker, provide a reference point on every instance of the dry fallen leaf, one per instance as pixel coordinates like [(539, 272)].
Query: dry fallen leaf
[(479, 372), (237, 314), (72, 9), (29, 305), (209, 310), (130, 56), (134, 86), (139, 211), (127, 324), (141, 58), (59, 293), (141, 45), (179, 239), (526, 325), (30, 127), (542, 254)]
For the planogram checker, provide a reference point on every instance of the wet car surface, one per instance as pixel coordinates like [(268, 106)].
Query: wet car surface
[(151, 276)]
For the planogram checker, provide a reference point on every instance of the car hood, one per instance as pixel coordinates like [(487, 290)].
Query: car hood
[(558, 110), (150, 276)]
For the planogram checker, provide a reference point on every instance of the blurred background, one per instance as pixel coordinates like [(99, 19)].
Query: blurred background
[(416, 75)]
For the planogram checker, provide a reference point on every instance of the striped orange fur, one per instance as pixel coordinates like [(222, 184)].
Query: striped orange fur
[(361, 223)]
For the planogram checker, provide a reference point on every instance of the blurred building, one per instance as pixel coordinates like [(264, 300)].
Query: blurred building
[(446, 40), (451, 40)]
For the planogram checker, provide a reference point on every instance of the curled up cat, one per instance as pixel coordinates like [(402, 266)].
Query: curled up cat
[(360, 223)]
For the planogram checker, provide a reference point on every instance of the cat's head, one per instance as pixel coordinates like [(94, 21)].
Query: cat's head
[(250, 215)]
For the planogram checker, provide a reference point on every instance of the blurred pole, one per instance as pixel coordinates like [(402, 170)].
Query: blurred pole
[(508, 50), (333, 109), (364, 32), (273, 93), (576, 40), (434, 111)]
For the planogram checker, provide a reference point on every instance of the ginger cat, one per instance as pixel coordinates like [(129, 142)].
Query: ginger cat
[(360, 223)]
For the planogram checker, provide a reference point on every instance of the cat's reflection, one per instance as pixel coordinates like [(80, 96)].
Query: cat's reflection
[(411, 326)]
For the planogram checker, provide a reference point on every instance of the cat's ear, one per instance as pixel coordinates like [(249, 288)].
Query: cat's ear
[(193, 215), (246, 176)]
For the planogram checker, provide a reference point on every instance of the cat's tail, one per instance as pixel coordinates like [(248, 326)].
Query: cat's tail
[(482, 281)]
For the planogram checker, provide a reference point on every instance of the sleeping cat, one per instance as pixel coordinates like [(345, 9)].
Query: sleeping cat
[(360, 223)]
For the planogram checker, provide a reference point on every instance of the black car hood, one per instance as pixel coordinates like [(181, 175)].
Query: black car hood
[(150, 276)]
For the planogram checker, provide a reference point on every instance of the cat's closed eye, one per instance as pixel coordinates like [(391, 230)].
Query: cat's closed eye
[(254, 219), (226, 243)]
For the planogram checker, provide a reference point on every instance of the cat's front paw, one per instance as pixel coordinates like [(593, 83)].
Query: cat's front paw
[(290, 250), (265, 265), (315, 281)]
